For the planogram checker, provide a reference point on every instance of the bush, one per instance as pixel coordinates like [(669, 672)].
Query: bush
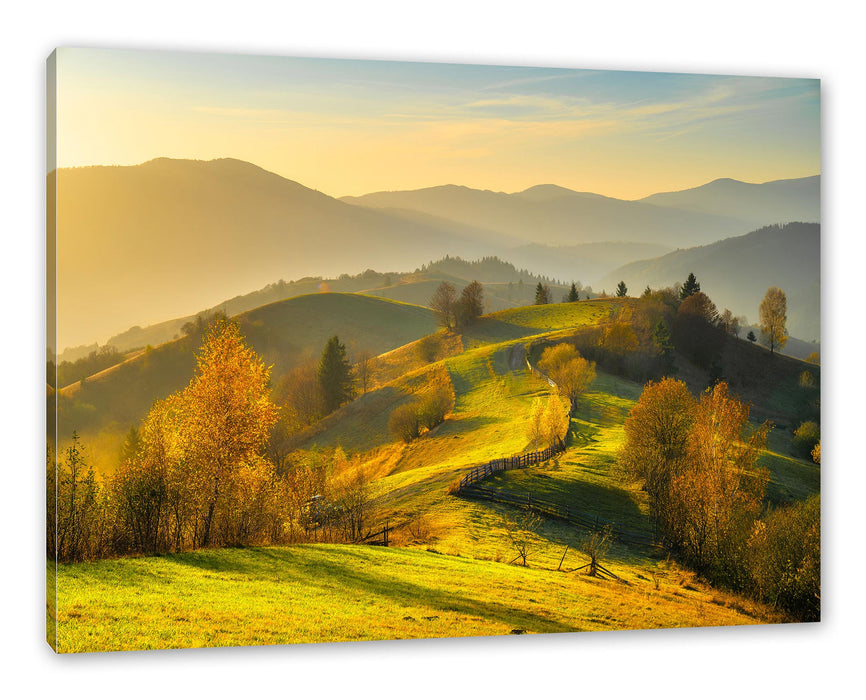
[(404, 422), (785, 559), (428, 348), (805, 438), (435, 406)]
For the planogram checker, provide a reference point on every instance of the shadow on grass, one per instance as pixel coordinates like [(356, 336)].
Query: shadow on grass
[(375, 574), (492, 330)]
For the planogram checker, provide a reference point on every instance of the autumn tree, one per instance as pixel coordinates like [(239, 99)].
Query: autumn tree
[(335, 375), (404, 422), (76, 515), (364, 365), (470, 305), (784, 555), (718, 495), (656, 440), (730, 323), (621, 289), (227, 414), (773, 315), (444, 305), (555, 421), (535, 425), (571, 373)]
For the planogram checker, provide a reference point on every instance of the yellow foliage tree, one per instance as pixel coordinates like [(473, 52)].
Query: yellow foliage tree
[(656, 438), (555, 420), (773, 315), (571, 373), (718, 495), (226, 415)]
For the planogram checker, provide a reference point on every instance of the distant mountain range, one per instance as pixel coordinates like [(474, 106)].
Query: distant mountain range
[(736, 273), (142, 244), (556, 216), (154, 241), (777, 202)]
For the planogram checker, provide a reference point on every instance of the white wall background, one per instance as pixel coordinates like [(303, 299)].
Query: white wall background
[(821, 40)]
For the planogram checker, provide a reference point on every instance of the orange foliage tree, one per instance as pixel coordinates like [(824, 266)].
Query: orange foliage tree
[(656, 439), (717, 497)]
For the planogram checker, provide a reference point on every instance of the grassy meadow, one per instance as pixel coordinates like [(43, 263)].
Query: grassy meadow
[(333, 593)]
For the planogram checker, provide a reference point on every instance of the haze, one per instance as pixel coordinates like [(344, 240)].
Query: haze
[(349, 127)]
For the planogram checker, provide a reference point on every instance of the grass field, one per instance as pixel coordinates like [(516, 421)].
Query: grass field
[(314, 593)]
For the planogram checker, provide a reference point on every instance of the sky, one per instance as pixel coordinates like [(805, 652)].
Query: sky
[(349, 127)]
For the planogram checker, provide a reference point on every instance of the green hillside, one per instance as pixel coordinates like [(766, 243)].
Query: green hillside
[(335, 593), (284, 333)]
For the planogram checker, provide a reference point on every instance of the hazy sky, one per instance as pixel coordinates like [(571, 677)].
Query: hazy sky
[(351, 127)]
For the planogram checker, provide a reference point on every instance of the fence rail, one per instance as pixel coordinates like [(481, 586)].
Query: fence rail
[(561, 512), (504, 463)]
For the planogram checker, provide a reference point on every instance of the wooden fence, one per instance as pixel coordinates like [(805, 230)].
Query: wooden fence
[(469, 487), (566, 513), (504, 463), (384, 533)]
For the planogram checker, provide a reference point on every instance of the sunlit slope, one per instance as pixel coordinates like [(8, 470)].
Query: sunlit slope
[(332, 593), (283, 333), (494, 394)]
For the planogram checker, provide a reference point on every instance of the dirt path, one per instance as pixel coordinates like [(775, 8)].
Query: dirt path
[(517, 356)]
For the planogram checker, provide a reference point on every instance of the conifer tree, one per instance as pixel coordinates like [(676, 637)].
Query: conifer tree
[(335, 375), (542, 294), (572, 293), (690, 286), (621, 289)]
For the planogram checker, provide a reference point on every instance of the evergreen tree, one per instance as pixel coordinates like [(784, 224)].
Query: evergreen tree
[(335, 375), (542, 294), (572, 293), (664, 345), (751, 337), (690, 286), (621, 289)]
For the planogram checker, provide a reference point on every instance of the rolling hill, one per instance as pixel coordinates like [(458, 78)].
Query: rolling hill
[(505, 286), (283, 333), (736, 273)]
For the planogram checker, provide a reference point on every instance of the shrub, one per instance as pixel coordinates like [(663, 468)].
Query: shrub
[(785, 559), (404, 423), (428, 348), (435, 406), (806, 437)]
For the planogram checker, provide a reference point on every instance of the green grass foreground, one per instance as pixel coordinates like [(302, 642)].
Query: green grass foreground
[(333, 593)]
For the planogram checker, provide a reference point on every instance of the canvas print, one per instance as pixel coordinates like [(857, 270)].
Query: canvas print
[(361, 350)]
